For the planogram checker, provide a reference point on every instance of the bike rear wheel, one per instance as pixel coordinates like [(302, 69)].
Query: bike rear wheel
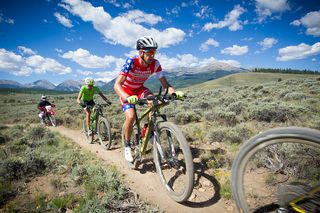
[(89, 138), (173, 161), (272, 165), (104, 133)]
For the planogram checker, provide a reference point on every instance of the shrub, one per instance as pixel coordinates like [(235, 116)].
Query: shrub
[(236, 107), (37, 133), (217, 134), (277, 112), (221, 116), (186, 117), (295, 96)]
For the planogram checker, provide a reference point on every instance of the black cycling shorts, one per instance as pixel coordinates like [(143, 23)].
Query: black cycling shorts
[(84, 104)]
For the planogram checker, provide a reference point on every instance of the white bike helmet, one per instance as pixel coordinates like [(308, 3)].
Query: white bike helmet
[(43, 98), (89, 81), (146, 43)]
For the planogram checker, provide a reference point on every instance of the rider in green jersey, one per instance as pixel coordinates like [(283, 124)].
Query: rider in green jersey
[(85, 98)]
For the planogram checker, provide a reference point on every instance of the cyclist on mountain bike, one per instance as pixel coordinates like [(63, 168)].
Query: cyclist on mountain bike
[(85, 98), (42, 107), (130, 83)]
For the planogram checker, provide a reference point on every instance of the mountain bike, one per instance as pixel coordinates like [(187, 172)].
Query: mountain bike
[(171, 152), (99, 126), (278, 171), (47, 115)]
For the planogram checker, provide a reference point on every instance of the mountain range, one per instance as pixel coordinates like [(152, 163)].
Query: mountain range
[(178, 77)]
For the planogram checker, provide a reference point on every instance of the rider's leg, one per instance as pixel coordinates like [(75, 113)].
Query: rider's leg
[(128, 124), (87, 112), (128, 128)]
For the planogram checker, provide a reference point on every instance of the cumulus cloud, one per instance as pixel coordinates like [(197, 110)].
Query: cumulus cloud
[(87, 60), (120, 30), (86, 73), (268, 43), (231, 20), (266, 8), (137, 16), (235, 50), (25, 66), (210, 42), (311, 21), (189, 60), (298, 52), (63, 20), (26, 51), (107, 75)]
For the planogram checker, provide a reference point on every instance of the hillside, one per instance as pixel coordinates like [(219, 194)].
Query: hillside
[(247, 78), (216, 118)]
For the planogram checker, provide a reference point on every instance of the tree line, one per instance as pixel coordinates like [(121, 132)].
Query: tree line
[(288, 70)]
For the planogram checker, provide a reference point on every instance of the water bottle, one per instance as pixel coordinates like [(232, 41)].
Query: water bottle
[(144, 130)]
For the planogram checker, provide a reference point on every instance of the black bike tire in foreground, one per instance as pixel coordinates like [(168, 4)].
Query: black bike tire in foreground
[(178, 196), (275, 136), (104, 133)]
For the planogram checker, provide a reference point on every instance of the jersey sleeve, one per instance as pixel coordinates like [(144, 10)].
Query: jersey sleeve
[(128, 65), (81, 89), (158, 69)]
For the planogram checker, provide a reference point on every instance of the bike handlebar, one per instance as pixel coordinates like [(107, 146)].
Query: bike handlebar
[(162, 98)]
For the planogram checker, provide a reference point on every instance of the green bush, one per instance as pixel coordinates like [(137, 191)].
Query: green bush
[(295, 96), (277, 112), (221, 116)]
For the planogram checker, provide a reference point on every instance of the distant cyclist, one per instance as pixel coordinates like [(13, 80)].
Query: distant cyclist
[(130, 83), (42, 107), (85, 98)]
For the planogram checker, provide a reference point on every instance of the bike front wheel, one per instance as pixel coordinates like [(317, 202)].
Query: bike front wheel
[(173, 161), (52, 120), (273, 165), (104, 133)]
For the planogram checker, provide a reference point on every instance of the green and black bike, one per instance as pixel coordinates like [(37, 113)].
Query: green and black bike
[(171, 151), (99, 126), (278, 171)]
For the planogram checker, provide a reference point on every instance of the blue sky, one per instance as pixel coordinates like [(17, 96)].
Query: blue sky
[(73, 39)]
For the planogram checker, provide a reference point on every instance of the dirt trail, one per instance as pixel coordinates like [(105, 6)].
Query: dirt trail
[(146, 183)]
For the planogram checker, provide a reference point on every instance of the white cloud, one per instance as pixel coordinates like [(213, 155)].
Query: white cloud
[(120, 30), (25, 66), (265, 8), (125, 5), (107, 75), (230, 20), (137, 16), (26, 51), (235, 50), (311, 21), (63, 20), (189, 60), (210, 42), (204, 12), (268, 43), (87, 60), (6, 20), (298, 52), (86, 73)]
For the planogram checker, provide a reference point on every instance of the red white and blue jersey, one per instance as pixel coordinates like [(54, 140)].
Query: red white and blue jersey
[(137, 74)]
